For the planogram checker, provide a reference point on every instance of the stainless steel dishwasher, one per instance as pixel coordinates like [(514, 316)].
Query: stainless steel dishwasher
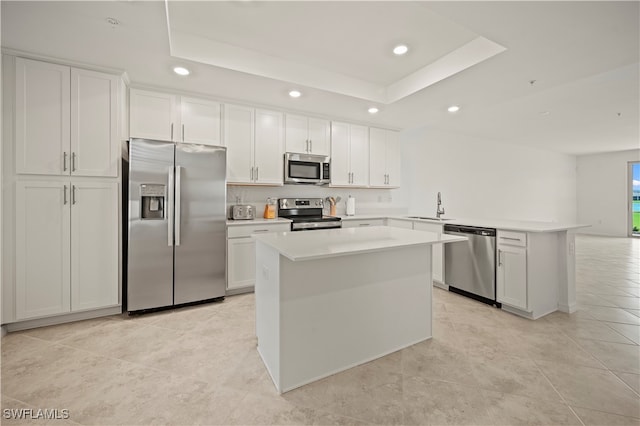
[(470, 266)]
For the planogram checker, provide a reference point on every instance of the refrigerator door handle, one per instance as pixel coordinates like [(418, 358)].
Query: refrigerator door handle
[(177, 205), (169, 208)]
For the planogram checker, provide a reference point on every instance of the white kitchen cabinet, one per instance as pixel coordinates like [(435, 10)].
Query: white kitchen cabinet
[(254, 145), (169, 117), (511, 276), (349, 155), (398, 223), (153, 115), (66, 120), (384, 157), (437, 250), (66, 247), (356, 223), (241, 254), (307, 135)]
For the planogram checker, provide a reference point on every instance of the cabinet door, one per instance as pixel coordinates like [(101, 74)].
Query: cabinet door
[(42, 118), (241, 270), (42, 249), (396, 223), (512, 276), (238, 137), (377, 157), (393, 159), (94, 124), (94, 245), (200, 121), (153, 115), (268, 148), (319, 136), (296, 134), (359, 155), (340, 170), (437, 250)]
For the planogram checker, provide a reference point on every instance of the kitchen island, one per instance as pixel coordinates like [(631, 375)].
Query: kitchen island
[(329, 300)]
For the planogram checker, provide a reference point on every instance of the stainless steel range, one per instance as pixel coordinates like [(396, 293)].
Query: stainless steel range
[(306, 214)]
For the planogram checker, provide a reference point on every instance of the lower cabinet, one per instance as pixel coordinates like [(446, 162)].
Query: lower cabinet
[(354, 223), (241, 253), (66, 246), (437, 250), (511, 276), (397, 223)]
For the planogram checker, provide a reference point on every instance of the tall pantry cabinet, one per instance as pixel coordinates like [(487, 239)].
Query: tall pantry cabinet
[(64, 123)]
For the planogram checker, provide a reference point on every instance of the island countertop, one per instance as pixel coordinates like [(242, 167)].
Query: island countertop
[(319, 244)]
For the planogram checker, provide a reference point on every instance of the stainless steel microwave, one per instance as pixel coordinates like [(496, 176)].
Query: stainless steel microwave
[(306, 169)]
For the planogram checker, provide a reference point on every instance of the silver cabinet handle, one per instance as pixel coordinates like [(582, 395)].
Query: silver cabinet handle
[(64, 196), (169, 208), (171, 131), (260, 231), (251, 178), (177, 215), (183, 133), (510, 238), (257, 174), (499, 257), (73, 194), (73, 161), (306, 145), (364, 224), (64, 161), (310, 145)]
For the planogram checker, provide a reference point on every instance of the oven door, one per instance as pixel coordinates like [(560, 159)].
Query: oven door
[(305, 169)]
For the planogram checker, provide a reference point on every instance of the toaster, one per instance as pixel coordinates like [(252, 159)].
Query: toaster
[(243, 212)]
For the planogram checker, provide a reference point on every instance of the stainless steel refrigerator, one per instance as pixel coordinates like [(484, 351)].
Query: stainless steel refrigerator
[(176, 233)]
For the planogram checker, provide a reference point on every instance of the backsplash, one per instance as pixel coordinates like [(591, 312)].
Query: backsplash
[(368, 201)]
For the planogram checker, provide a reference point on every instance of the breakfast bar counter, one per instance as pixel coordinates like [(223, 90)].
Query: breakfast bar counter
[(329, 300)]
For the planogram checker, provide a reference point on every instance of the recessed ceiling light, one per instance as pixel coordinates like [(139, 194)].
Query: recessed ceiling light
[(544, 113), (373, 110), (400, 49), (453, 108), (295, 94), (181, 71)]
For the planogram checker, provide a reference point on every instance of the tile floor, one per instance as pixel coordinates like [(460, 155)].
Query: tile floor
[(483, 366)]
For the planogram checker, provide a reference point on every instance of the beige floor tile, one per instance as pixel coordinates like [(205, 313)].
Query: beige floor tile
[(56, 333), (592, 388), (432, 402), (635, 312), (599, 418), (633, 380), (593, 299), (593, 330), (625, 302), (519, 410), (620, 315), (615, 356)]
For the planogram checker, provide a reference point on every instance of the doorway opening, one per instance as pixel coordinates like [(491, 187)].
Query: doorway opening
[(634, 204)]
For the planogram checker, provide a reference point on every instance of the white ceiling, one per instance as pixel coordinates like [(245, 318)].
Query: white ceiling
[(583, 56)]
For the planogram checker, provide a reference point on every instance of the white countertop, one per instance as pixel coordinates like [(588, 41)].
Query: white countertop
[(344, 241), (505, 224), (257, 221)]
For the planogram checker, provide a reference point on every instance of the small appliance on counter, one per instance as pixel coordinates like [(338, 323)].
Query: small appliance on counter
[(243, 212), (351, 206)]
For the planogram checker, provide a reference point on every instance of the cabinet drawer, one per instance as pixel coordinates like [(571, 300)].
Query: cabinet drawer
[(362, 222), (512, 238), (248, 230)]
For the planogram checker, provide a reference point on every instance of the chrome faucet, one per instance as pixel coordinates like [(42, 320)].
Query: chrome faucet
[(440, 209)]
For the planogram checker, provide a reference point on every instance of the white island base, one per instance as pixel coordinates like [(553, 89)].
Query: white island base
[(321, 314)]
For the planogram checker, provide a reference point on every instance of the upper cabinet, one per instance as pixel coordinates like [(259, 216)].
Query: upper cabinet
[(349, 155), (66, 120), (168, 117), (255, 145), (307, 135), (384, 150)]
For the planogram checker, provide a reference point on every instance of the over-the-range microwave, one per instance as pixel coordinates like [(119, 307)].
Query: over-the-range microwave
[(306, 169)]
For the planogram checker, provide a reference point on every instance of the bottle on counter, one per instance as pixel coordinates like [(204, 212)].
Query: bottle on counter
[(270, 209)]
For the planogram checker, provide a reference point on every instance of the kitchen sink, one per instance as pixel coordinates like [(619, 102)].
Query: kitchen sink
[(441, 219)]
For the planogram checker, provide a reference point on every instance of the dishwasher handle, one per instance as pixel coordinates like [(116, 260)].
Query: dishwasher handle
[(473, 230)]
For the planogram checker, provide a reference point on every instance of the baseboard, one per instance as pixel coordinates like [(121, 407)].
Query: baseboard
[(61, 319), (568, 308), (440, 285), (3, 331), (242, 290)]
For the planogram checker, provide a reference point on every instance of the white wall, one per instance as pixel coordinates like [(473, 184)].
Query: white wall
[(603, 192), (480, 179)]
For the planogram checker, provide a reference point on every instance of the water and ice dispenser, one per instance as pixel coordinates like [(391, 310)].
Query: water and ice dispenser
[(153, 201)]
